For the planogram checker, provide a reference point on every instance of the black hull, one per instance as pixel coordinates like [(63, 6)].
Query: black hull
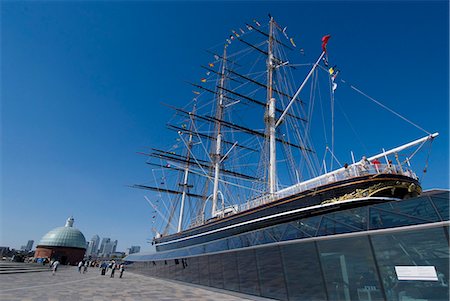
[(390, 185)]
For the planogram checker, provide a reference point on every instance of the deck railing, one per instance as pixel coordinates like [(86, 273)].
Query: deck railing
[(354, 170)]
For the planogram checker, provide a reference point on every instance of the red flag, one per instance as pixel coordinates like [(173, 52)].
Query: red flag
[(324, 42)]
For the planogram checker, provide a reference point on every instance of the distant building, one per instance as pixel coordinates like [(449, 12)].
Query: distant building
[(105, 241), (133, 249), (93, 246), (66, 244), (29, 245)]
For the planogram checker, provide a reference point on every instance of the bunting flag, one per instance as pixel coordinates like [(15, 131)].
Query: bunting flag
[(292, 42), (249, 27), (331, 70), (208, 73), (256, 22), (228, 41), (203, 80), (324, 42), (196, 92), (284, 32), (242, 31), (211, 65), (235, 33), (325, 61), (216, 57), (334, 86), (231, 37)]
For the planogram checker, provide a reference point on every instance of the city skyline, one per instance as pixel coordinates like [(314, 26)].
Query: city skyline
[(83, 83)]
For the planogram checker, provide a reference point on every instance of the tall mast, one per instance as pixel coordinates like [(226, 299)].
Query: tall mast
[(218, 150), (270, 119), (185, 178)]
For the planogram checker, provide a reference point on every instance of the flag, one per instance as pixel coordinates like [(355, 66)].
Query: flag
[(216, 57), (208, 73), (231, 37), (325, 61), (256, 22), (242, 31), (211, 65), (235, 33), (324, 42), (284, 32), (228, 41), (331, 70), (203, 80), (249, 27), (196, 92), (292, 42)]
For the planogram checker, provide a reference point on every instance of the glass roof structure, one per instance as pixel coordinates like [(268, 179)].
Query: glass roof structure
[(66, 236)]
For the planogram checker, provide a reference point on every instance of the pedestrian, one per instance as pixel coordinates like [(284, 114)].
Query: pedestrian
[(113, 269), (55, 266), (121, 269), (80, 264), (103, 267), (86, 264)]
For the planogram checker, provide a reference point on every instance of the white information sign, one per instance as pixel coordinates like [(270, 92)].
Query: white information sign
[(427, 273)]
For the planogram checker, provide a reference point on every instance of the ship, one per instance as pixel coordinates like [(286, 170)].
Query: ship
[(244, 163)]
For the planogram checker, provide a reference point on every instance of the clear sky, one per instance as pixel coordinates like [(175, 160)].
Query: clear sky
[(82, 83)]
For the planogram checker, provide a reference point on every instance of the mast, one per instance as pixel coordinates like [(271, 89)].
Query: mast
[(218, 150), (270, 120), (185, 178)]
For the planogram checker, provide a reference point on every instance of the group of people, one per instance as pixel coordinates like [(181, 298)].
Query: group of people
[(113, 266), (83, 266)]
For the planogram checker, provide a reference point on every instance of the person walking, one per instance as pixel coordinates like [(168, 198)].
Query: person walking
[(55, 266), (121, 269), (103, 267), (86, 264), (113, 269), (80, 264)]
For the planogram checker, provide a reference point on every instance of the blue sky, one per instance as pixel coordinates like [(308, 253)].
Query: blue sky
[(82, 83)]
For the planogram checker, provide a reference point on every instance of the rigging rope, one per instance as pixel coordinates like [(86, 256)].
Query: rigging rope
[(387, 108)]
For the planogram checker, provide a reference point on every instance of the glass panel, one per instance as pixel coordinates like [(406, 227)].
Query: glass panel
[(302, 271), (292, 232), (215, 271), (234, 242), (380, 219), (349, 269), (216, 246), (442, 205), (329, 226), (309, 225), (426, 247), (355, 218), (248, 275), (270, 272), (230, 272), (418, 207)]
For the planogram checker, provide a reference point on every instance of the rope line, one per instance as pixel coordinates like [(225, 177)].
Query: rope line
[(389, 109)]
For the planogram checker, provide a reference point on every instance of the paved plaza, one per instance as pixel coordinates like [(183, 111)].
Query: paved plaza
[(69, 284)]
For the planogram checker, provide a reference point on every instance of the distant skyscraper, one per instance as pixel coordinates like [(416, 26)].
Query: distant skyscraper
[(135, 249), (114, 246), (105, 241), (93, 245), (28, 247)]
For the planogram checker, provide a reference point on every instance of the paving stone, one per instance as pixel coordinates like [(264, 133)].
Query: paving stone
[(68, 284)]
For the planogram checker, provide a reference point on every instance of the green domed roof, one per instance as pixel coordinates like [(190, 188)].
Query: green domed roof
[(64, 237)]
